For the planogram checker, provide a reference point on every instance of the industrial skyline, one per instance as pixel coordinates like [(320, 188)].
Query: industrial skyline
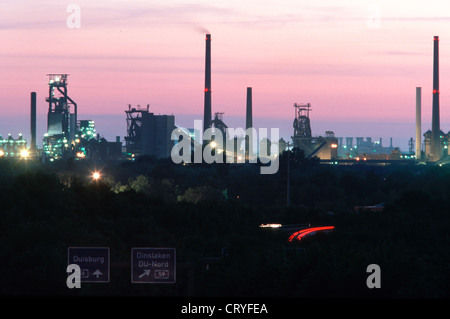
[(152, 134), (338, 72)]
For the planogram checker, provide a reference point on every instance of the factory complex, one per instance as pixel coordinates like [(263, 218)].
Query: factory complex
[(68, 135)]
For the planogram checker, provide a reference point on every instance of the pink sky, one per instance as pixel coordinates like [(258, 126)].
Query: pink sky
[(354, 61)]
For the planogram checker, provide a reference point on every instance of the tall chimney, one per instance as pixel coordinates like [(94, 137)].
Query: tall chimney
[(249, 124), (33, 121), (418, 122), (207, 107), (435, 129)]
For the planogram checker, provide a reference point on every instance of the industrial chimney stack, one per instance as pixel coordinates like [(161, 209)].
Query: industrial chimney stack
[(418, 123), (249, 124), (207, 113), (435, 127), (33, 121)]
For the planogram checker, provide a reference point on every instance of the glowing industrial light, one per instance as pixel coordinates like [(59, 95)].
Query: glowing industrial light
[(270, 225), (308, 231), (24, 153), (96, 176), (80, 155), (2, 153), (213, 144), (334, 145)]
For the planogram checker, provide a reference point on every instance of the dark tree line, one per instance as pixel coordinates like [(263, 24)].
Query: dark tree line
[(211, 214)]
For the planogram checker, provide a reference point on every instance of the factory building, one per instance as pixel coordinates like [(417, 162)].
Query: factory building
[(156, 135), (148, 134), (11, 147), (100, 149), (368, 148), (443, 146), (91, 146)]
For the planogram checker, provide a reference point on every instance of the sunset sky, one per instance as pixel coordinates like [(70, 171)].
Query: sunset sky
[(357, 62)]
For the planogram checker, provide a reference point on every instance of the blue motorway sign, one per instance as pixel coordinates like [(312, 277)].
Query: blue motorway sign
[(93, 262), (153, 265)]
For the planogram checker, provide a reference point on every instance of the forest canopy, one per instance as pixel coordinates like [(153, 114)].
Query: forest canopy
[(211, 215)]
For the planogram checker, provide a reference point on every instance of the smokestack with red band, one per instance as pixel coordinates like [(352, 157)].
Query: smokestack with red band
[(435, 127), (207, 107)]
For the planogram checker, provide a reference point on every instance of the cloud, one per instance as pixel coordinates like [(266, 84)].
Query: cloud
[(404, 53), (109, 13), (415, 19)]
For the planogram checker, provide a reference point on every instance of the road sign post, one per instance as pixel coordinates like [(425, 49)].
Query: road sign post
[(153, 265), (93, 262)]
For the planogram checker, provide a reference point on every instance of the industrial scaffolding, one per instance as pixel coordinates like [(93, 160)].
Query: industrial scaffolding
[(133, 140), (61, 123)]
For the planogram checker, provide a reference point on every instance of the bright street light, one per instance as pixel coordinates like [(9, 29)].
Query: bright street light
[(24, 153), (96, 176)]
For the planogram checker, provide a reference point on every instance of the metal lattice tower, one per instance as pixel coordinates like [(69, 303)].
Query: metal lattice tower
[(62, 128), (59, 104), (219, 123), (134, 128), (302, 125)]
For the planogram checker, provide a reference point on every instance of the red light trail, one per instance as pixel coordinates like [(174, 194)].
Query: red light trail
[(304, 232)]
